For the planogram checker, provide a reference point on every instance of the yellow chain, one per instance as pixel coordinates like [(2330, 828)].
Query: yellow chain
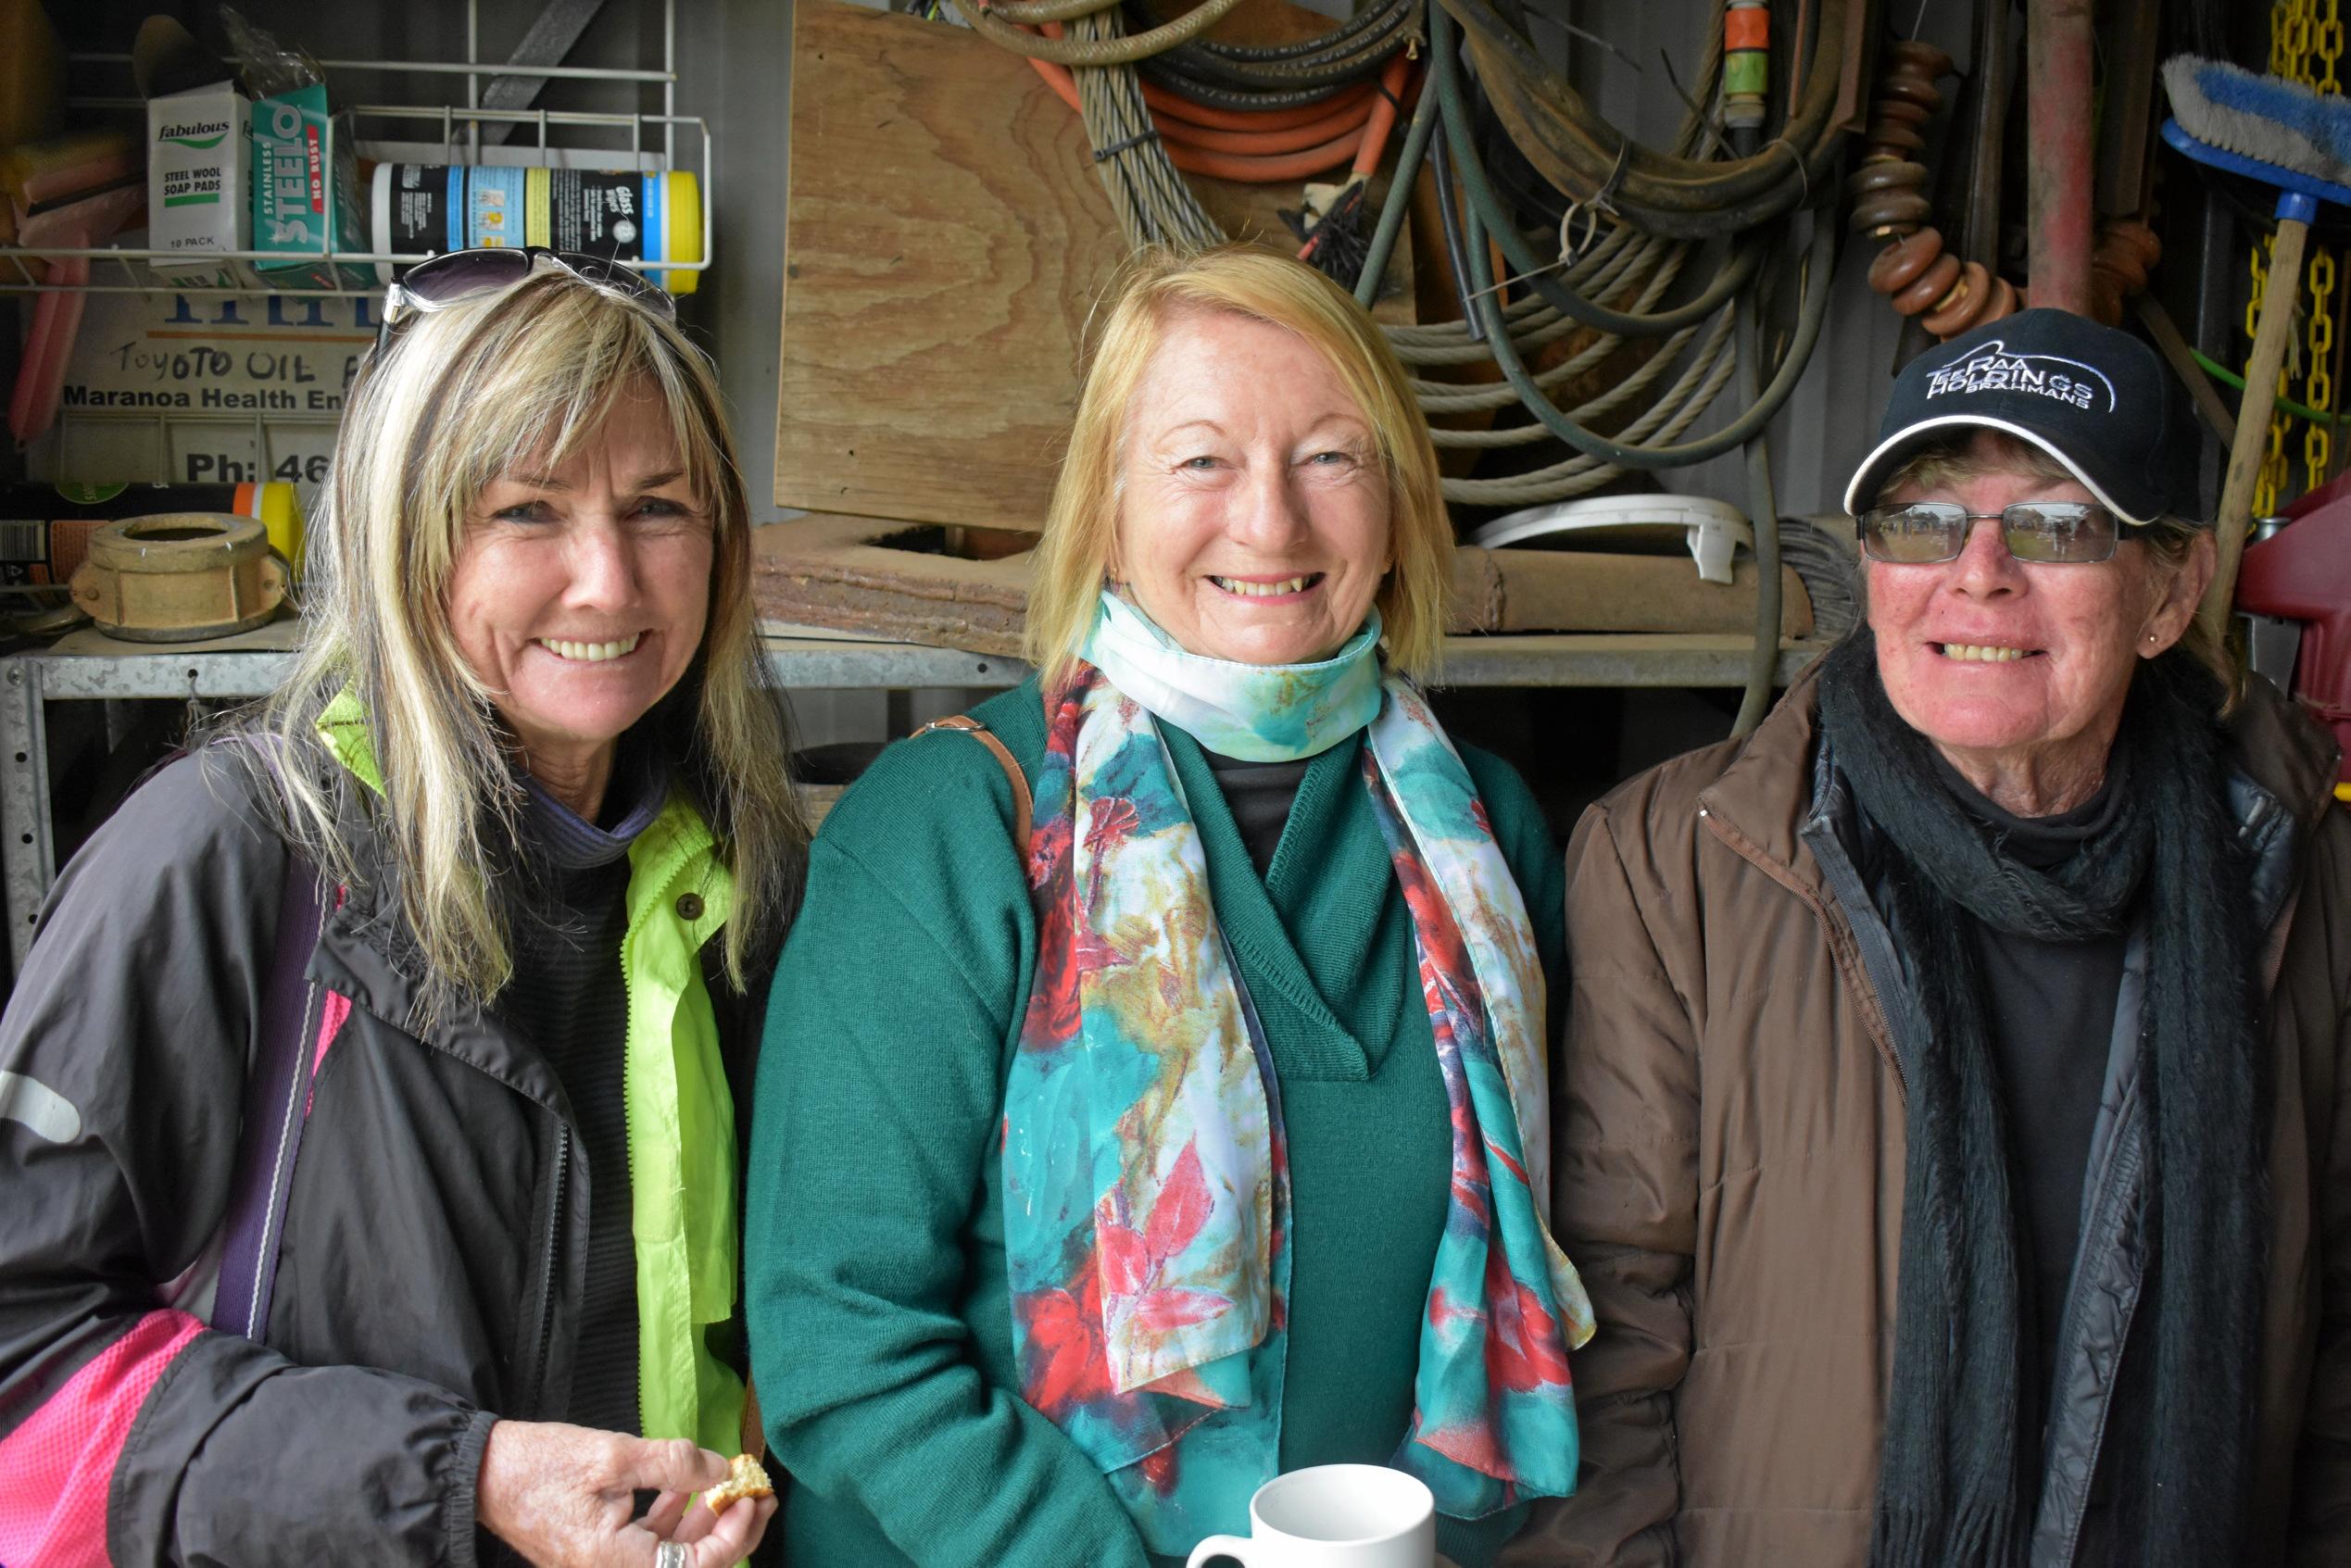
[(2306, 46), (2318, 384)]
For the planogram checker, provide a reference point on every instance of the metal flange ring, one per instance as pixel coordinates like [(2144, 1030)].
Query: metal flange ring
[(180, 577)]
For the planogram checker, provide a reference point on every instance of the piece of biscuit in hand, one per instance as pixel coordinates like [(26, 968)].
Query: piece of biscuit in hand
[(744, 1479)]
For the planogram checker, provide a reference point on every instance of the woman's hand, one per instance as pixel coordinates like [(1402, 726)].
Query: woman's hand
[(564, 1497)]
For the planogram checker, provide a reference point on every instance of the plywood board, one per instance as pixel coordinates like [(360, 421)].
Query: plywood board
[(945, 235)]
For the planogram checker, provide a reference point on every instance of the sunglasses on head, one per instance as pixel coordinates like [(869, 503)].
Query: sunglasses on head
[(460, 274), (2045, 532)]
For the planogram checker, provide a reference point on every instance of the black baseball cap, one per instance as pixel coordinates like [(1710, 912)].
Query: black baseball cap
[(2098, 400)]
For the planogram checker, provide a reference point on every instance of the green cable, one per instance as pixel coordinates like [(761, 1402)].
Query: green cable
[(2228, 377), (1400, 194)]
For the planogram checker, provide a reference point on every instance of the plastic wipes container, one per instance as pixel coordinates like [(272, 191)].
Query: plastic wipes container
[(639, 220)]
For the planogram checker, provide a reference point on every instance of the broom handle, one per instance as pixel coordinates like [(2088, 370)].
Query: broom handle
[(2253, 419)]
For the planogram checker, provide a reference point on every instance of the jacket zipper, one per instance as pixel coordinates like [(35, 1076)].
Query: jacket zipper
[(628, 1143), (546, 1266), (2121, 1181), (1871, 936)]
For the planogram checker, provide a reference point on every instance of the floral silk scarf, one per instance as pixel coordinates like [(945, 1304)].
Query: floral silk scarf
[(1146, 1180)]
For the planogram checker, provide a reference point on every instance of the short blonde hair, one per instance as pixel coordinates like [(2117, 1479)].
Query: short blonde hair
[(1247, 280), (461, 394)]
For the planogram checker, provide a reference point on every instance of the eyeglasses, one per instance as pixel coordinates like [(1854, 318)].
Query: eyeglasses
[(460, 274), (2046, 532)]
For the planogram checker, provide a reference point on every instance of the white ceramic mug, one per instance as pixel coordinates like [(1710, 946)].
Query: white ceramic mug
[(1334, 1516)]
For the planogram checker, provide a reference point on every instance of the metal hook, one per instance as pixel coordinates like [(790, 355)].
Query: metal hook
[(1570, 251)]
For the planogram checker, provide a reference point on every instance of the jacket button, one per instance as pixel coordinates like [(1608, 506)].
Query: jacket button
[(690, 906)]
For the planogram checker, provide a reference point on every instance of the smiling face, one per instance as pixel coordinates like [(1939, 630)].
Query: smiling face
[(579, 592), (1253, 508), (2018, 669)]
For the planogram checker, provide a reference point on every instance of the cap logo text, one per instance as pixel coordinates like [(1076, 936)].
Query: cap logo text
[(1994, 369)]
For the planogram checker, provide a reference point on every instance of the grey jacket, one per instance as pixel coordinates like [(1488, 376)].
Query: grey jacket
[(435, 1242)]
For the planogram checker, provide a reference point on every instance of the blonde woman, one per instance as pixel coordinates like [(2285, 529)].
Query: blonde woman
[(1164, 1107), (368, 1136)]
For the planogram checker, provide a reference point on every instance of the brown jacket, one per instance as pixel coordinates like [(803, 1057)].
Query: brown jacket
[(1728, 1169)]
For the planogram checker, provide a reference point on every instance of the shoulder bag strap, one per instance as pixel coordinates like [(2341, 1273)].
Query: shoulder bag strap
[(1023, 805), (276, 1107)]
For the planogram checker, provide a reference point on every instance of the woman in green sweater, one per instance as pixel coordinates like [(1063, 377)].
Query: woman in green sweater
[(1160, 1104)]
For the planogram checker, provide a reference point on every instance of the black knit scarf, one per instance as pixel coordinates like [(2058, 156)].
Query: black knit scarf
[(1954, 1491)]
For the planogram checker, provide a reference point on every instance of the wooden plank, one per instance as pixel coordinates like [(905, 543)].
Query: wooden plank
[(967, 587), (945, 237)]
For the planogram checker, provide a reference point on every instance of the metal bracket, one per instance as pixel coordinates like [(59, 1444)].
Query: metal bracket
[(559, 27), (29, 864)]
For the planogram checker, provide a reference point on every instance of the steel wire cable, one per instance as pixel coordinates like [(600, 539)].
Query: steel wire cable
[(1444, 72), (1621, 254), (1541, 327), (1035, 13), (1812, 311), (1156, 207), (1154, 203), (1611, 399), (1693, 381), (1111, 49), (1593, 267), (1439, 397), (1452, 398), (1667, 418), (1669, 194)]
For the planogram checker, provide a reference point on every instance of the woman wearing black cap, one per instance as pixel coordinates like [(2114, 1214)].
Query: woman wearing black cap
[(1954, 1124)]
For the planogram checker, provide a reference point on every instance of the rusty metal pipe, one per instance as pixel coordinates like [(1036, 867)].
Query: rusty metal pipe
[(2058, 43)]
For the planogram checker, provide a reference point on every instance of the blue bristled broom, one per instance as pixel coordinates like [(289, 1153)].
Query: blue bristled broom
[(2298, 141)]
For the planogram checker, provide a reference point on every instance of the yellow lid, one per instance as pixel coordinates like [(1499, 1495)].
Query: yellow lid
[(682, 228), (278, 505)]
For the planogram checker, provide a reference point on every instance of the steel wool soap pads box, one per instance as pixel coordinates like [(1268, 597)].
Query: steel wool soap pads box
[(200, 147)]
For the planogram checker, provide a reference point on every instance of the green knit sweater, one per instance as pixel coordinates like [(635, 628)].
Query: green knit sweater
[(881, 1334)]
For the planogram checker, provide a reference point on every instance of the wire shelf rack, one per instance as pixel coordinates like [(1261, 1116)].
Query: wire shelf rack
[(639, 141)]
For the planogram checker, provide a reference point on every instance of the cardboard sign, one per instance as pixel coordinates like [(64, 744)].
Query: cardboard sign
[(181, 389)]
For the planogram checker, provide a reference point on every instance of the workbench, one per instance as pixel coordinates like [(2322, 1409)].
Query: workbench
[(29, 681)]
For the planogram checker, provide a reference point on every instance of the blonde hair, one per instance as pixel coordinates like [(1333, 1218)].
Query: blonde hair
[(462, 394), (1157, 286), (1960, 455)]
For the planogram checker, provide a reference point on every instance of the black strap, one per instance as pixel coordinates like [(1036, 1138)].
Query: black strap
[(276, 1107)]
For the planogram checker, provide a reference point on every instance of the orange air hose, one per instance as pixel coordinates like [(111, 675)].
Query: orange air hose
[(1315, 138)]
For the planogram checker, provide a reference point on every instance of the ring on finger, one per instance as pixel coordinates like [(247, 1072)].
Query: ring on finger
[(668, 1554)]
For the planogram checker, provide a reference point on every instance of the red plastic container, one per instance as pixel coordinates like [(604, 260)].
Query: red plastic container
[(2303, 572)]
